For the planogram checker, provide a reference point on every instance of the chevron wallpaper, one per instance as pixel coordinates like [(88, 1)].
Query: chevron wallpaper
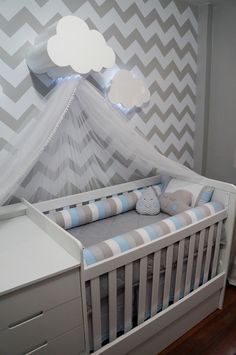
[(156, 39)]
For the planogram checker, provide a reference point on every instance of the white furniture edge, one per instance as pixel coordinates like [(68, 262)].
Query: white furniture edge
[(71, 245)]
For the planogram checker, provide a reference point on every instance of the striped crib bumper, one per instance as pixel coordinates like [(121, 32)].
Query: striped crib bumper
[(134, 238), (77, 216)]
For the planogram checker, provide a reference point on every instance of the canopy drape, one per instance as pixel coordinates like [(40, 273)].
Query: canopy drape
[(79, 142)]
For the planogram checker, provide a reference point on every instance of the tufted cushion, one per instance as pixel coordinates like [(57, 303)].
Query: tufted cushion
[(134, 238), (77, 216)]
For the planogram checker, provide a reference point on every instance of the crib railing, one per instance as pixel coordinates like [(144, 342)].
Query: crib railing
[(196, 249), (83, 198)]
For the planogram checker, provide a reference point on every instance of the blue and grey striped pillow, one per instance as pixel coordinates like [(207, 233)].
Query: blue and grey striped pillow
[(77, 216)]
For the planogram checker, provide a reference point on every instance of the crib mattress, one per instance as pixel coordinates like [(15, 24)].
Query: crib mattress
[(96, 232)]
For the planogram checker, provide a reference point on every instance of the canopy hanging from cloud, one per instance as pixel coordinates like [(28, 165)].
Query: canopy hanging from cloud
[(69, 47), (128, 90)]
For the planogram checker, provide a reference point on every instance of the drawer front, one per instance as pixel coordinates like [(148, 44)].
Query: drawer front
[(40, 297), (42, 328), (70, 343)]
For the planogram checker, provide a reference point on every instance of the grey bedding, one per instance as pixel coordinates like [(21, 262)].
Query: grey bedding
[(93, 233)]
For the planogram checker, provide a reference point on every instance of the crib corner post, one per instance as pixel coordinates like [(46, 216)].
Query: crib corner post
[(222, 294), (84, 303), (221, 298)]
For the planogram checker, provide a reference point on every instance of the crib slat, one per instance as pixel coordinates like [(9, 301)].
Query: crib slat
[(96, 312), (189, 265), (155, 282), (128, 296), (179, 270), (66, 207), (51, 212), (208, 254), (142, 289), (217, 250), (199, 258), (168, 272), (112, 296)]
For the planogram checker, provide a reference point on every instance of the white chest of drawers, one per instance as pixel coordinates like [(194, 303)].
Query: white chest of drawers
[(41, 303)]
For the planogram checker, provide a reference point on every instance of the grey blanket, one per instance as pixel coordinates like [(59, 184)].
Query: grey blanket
[(93, 233)]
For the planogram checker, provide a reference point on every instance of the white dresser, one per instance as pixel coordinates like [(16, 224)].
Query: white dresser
[(41, 307)]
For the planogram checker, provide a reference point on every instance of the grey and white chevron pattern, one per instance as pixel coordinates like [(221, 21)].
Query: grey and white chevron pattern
[(156, 39)]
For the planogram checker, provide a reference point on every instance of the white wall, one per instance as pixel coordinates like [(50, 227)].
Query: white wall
[(220, 151)]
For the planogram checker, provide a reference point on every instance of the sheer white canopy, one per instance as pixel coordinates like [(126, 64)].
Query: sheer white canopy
[(27, 146), (93, 142)]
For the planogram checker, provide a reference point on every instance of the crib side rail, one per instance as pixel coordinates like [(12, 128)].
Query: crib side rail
[(89, 196), (193, 277)]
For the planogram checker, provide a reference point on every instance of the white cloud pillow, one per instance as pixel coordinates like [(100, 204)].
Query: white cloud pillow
[(128, 90)]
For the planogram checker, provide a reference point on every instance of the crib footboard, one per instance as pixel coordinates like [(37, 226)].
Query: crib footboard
[(152, 290)]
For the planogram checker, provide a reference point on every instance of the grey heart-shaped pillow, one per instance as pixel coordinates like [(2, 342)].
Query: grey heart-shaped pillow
[(175, 202)]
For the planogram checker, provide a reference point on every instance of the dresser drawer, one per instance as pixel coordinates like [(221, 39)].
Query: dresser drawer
[(42, 328), (41, 297), (70, 343)]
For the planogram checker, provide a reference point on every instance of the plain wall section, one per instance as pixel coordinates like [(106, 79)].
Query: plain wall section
[(221, 146), (203, 87)]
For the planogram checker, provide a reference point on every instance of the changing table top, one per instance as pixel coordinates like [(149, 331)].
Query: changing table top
[(28, 254)]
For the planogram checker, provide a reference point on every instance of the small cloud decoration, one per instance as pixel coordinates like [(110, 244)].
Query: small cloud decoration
[(77, 46), (128, 90)]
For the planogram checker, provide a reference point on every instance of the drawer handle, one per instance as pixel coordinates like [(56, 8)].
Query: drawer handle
[(25, 320), (39, 347)]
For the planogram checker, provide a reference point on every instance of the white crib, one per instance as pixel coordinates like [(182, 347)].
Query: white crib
[(203, 282)]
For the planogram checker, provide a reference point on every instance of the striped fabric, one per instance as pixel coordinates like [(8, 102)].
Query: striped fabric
[(112, 206), (205, 195), (134, 238)]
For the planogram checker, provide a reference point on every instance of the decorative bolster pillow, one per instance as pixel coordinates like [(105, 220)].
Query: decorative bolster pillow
[(77, 216), (134, 238)]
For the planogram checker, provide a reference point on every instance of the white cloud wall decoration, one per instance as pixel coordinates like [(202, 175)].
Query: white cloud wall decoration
[(128, 90), (68, 47), (78, 46)]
